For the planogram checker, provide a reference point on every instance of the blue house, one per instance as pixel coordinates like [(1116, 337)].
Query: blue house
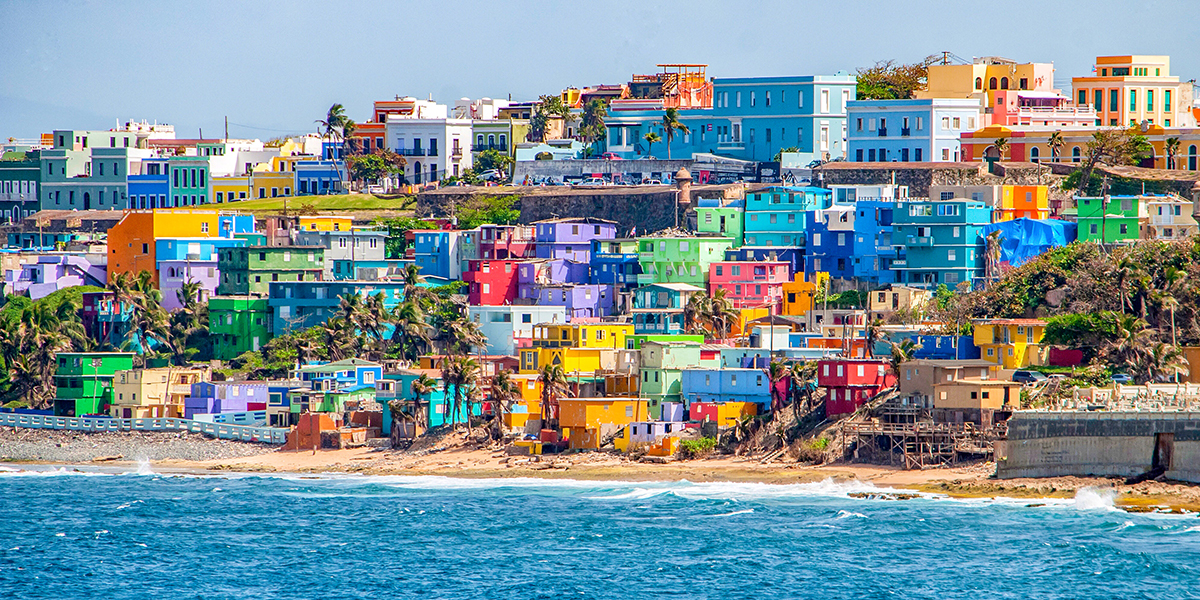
[(830, 241), (910, 130), (318, 177), (438, 254), (152, 188), (933, 347), (942, 241), (658, 308), (627, 129), (726, 385), (343, 374), (615, 262), (299, 305), (433, 409), (873, 249), (776, 216), (793, 256), (759, 116)]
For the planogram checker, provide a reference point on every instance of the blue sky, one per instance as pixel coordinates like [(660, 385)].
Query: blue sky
[(274, 67)]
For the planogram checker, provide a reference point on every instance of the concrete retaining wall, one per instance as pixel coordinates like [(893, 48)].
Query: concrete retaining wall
[(558, 169), (1099, 444)]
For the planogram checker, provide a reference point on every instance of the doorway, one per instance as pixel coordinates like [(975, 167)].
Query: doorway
[(1164, 448)]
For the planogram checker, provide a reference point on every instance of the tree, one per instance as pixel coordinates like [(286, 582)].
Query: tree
[(1001, 146), (887, 80), (548, 108), (778, 372), (591, 128), (488, 209), (398, 228), (460, 374), (492, 159), (1056, 144), (1112, 147), (901, 353), (503, 391), (554, 387), (1172, 150), (873, 332), (30, 341), (671, 124), (695, 313), (1157, 360), (367, 167), (721, 314), (779, 155), (651, 139), (334, 123)]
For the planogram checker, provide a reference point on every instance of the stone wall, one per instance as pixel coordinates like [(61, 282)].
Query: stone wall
[(538, 169), (920, 176), (1103, 444), (650, 208)]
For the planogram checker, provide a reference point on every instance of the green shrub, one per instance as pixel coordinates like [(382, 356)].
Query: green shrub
[(697, 448)]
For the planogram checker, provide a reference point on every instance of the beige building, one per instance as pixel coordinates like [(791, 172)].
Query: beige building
[(898, 297), (984, 77), (145, 393), (979, 401), (1168, 218), (1130, 89), (918, 377)]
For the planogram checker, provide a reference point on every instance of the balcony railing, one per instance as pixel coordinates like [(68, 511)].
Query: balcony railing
[(900, 263), (925, 241), (411, 151), (883, 132), (482, 147), (456, 152), (905, 132)]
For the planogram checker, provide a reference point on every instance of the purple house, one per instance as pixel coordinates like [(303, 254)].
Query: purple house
[(580, 299), (571, 238), (172, 274), (53, 272), (217, 397)]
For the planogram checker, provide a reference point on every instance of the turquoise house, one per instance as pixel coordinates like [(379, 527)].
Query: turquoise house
[(776, 216), (941, 242), (435, 408)]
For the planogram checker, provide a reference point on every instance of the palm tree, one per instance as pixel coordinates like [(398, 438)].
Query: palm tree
[(1001, 146), (461, 374), (778, 372), (504, 391), (1056, 144), (671, 124), (421, 387), (1174, 284), (721, 313), (1132, 338), (873, 332), (554, 386), (410, 332), (1159, 359), (901, 353), (695, 312), (1172, 149), (651, 139), (334, 122)]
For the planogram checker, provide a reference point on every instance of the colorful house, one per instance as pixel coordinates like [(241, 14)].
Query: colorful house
[(849, 383), (1111, 219), (438, 254), (251, 270), (571, 238), (302, 304), (491, 281), (776, 216), (1011, 343), (231, 188), (1023, 202), (679, 259), (504, 242), (615, 263), (941, 240), (588, 422), (1170, 218), (749, 285), (728, 384), (152, 393), (433, 409), (727, 220), (662, 366), (898, 298), (658, 308), (581, 335), (509, 327), (132, 242), (83, 381), (238, 324), (904, 130)]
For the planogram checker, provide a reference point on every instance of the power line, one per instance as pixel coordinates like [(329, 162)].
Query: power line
[(263, 128)]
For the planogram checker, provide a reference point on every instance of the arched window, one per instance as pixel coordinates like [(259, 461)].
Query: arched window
[(1004, 83), (504, 142), (479, 140), (992, 83), (1075, 155), (491, 140), (416, 172), (1034, 154), (979, 83), (1192, 158)]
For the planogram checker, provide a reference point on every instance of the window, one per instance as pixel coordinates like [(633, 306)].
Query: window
[(951, 255), (824, 101), (1114, 100), (1124, 228)]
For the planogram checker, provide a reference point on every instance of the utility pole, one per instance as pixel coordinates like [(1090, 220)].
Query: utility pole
[(227, 129), (1104, 200)]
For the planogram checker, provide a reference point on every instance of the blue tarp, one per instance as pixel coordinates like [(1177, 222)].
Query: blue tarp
[(1023, 239)]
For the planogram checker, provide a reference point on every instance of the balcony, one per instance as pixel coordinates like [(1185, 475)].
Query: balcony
[(410, 151), (646, 278), (905, 132), (920, 241), (883, 132), (483, 147), (456, 152), (730, 145), (899, 263), (432, 152)]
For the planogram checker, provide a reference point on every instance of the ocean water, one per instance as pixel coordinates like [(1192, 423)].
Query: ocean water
[(141, 535)]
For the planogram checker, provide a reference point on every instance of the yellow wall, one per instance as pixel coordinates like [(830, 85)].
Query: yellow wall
[(325, 223), (1018, 351), (805, 292), (145, 391), (262, 182), (587, 335), (957, 394), (584, 418), (573, 360), (531, 400), (231, 188), (958, 81)]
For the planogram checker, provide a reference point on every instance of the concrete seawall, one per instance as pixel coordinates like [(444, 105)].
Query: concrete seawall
[(1121, 444)]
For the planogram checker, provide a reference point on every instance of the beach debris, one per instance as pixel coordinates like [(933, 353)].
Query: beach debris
[(882, 496), (107, 458)]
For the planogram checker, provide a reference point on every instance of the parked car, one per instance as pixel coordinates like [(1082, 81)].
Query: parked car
[(594, 182), (816, 163), (1027, 377), (491, 175), (610, 156), (652, 181), (1122, 378), (1058, 376)]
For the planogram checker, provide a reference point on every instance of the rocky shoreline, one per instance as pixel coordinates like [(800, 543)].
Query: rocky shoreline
[(56, 446)]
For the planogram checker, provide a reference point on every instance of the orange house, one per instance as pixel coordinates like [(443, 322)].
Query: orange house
[(131, 242)]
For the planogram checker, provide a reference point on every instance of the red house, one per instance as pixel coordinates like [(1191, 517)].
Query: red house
[(492, 282), (850, 382), (506, 241)]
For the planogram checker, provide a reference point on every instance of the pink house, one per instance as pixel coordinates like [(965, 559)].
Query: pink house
[(1024, 107), (749, 284)]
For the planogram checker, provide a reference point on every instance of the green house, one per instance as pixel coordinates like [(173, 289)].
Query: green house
[(679, 259), (83, 381), (250, 270), (727, 221), (238, 324), (1113, 221)]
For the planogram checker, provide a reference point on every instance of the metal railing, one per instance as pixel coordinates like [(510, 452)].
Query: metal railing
[(224, 431)]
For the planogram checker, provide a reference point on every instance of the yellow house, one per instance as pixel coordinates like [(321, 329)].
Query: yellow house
[(325, 223), (1011, 343), (898, 297), (272, 184), (145, 393), (741, 325), (799, 295), (574, 361), (581, 335), (528, 405), (231, 188), (587, 421), (984, 77)]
